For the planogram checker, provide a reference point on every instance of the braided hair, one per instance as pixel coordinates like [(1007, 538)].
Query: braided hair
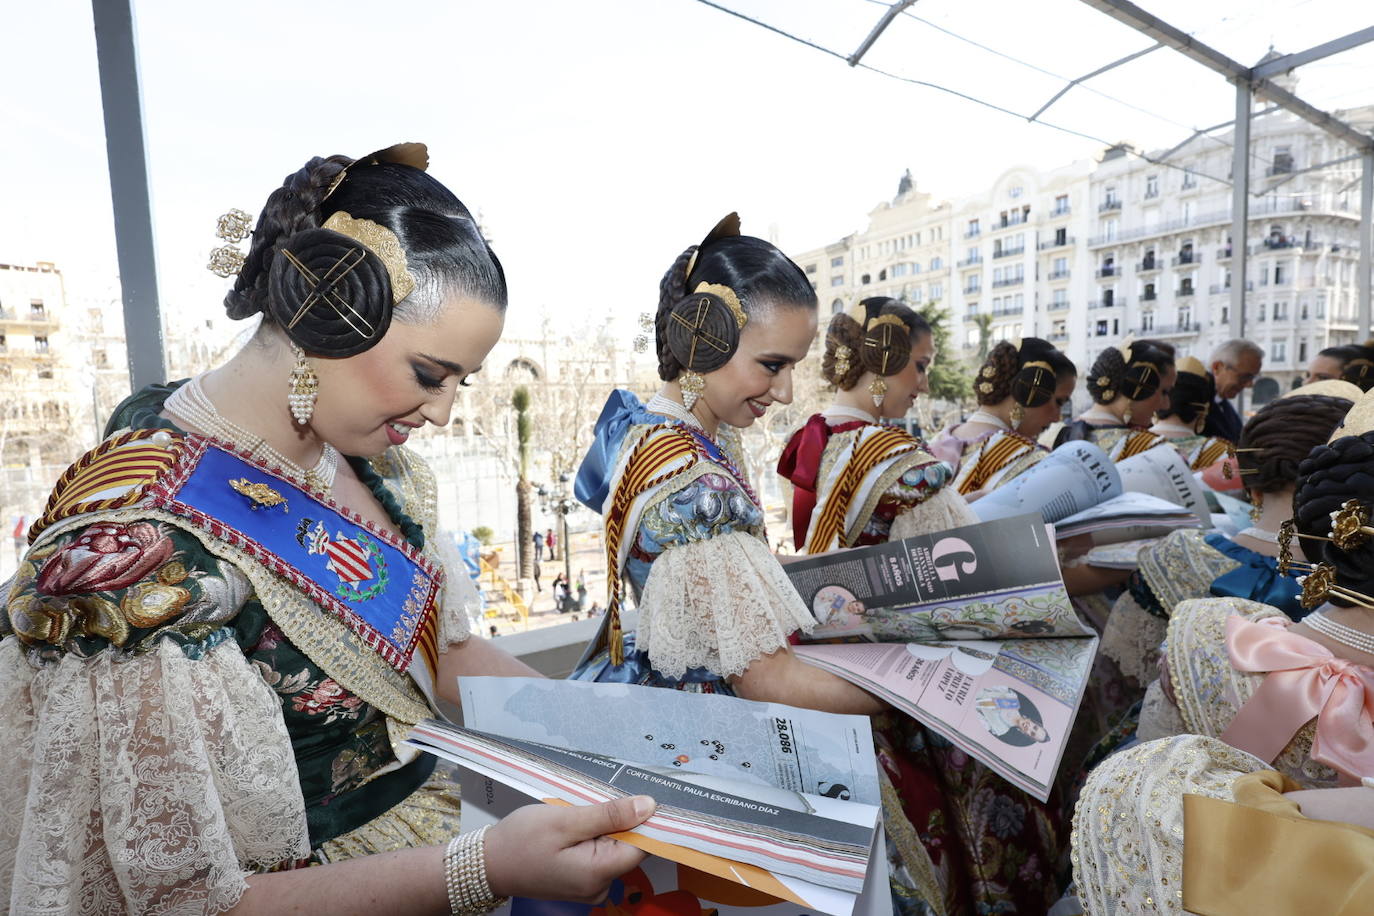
[(1278, 438), (443, 246), (1007, 373), (846, 331), (1138, 378), (1331, 475), (758, 273)]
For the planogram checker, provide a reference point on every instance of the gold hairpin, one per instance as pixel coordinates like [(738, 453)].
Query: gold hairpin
[(646, 324), (1350, 525), (842, 356), (1320, 584), (725, 293), (382, 242)]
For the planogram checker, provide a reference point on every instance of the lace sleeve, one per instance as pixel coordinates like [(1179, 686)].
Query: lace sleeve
[(717, 604), (943, 510), (1127, 844), (460, 599), (145, 783)]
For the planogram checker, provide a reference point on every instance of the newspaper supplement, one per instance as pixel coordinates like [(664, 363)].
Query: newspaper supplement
[(1008, 704), (1072, 478), (817, 839), (763, 744), (677, 880), (997, 579)]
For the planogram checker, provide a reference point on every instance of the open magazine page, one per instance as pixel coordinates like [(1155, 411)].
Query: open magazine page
[(1073, 477), (1163, 473), (1130, 516), (1009, 704), (763, 744), (998, 579), (818, 839), (676, 881)]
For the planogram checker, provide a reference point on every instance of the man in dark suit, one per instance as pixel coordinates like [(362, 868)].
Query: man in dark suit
[(1235, 366)]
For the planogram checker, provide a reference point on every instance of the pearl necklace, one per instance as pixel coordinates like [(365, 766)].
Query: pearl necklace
[(190, 402), (1346, 636)]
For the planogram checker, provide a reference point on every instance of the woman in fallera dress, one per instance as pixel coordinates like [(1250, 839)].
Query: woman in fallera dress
[(681, 519), (856, 481), (1128, 384), (235, 606), (1021, 391), (1182, 421)]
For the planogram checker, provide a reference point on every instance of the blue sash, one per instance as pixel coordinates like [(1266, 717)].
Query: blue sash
[(383, 589)]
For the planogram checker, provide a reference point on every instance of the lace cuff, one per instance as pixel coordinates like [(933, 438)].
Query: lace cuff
[(460, 598), (943, 510), (1132, 637), (717, 604), (144, 784)]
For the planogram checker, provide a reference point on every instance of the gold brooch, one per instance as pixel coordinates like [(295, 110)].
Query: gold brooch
[(260, 494), (985, 387), (988, 372), (1108, 394), (842, 356), (227, 260), (1103, 381)]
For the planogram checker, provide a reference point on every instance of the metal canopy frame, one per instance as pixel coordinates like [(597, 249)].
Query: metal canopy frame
[(1251, 82)]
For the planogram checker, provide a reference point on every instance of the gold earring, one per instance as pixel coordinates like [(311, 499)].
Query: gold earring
[(878, 388), (693, 387), (1018, 413), (304, 386)]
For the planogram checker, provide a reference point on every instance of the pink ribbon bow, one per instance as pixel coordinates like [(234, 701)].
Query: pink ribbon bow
[(1304, 680)]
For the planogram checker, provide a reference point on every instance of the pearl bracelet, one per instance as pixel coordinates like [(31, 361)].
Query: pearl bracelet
[(465, 875)]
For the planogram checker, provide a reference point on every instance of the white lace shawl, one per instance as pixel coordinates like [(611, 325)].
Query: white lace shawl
[(943, 510), (144, 784), (717, 604), (1127, 843)]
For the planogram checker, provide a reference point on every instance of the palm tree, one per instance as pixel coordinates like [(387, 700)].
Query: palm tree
[(520, 400)]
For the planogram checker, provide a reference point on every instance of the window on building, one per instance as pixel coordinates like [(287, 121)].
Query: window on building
[(936, 263), (1102, 328), (1061, 205), (3, 344), (1110, 229), (1278, 274), (40, 344), (837, 281), (1283, 161), (1302, 351), (811, 268), (866, 279), (882, 275), (1060, 268), (1060, 297), (1278, 351), (1189, 179), (1147, 321), (837, 306), (973, 228), (1303, 311), (937, 292), (1151, 186), (1280, 311), (899, 270), (37, 311), (1225, 315), (1109, 196), (837, 262), (1061, 236), (1185, 315)]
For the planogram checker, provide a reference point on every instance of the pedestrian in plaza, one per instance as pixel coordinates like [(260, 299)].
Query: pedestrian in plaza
[(1234, 365), (552, 543), (560, 593), (537, 586), (192, 745), (581, 591), (538, 540)]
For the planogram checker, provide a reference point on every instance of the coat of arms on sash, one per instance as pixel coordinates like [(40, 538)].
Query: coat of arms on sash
[(354, 560)]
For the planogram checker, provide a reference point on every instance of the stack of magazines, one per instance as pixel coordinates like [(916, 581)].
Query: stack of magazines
[(757, 802)]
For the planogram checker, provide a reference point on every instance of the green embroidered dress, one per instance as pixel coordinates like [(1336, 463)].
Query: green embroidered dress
[(176, 715)]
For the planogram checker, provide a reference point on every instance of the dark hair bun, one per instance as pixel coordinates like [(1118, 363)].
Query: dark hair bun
[(702, 333), (845, 332), (1278, 439), (1140, 380), (329, 293), (1331, 475), (1359, 368), (1034, 385), (886, 346)]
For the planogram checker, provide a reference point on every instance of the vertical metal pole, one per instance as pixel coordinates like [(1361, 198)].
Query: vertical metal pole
[(117, 55), (1366, 240), (1240, 207)]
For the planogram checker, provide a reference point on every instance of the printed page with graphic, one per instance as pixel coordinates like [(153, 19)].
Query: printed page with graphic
[(1072, 478)]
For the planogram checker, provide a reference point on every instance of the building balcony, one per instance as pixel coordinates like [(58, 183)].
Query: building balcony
[(1109, 206), (972, 290), (1058, 306), (1224, 254), (1110, 270), (1058, 274), (1046, 246), (1106, 303), (1279, 168), (1149, 296), (1186, 329), (1060, 211), (971, 315), (1152, 195), (1183, 260), (973, 232), (1008, 281), (969, 262), (1008, 312), (1009, 252), (1184, 291), (1009, 224), (1149, 266), (1059, 336), (1216, 289), (29, 319)]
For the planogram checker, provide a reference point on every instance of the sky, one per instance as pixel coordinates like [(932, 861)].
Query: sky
[(597, 139)]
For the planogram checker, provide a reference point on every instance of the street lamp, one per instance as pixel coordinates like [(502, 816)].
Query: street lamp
[(561, 502)]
